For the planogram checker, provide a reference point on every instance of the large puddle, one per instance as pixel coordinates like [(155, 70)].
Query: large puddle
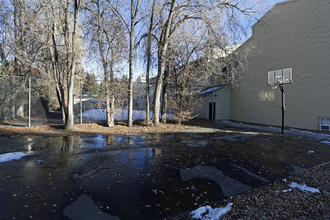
[(143, 176)]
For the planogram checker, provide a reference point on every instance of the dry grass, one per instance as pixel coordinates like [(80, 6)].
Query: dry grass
[(95, 128)]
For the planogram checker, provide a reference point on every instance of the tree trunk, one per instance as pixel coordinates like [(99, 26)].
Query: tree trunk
[(130, 79), (60, 98), (108, 111), (111, 106), (107, 94), (181, 102), (134, 11), (147, 93), (148, 62), (70, 113), (72, 63), (104, 59), (112, 111), (165, 88), (55, 70), (162, 48), (156, 107)]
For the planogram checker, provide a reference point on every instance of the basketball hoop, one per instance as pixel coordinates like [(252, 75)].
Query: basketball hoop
[(280, 78), (274, 85)]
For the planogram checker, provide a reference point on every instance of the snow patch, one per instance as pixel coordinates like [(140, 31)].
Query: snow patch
[(314, 135), (210, 90), (304, 188), (311, 152), (287, 190), (11, 156), (39, 161), (120, 115), (207, 213)]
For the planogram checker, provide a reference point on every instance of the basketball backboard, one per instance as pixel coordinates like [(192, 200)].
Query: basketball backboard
[(279, 77)]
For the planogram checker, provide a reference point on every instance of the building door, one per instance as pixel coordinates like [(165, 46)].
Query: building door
[(212, 111)]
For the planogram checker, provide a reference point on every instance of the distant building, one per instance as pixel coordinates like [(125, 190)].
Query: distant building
[(214, 103), (221, 53), (142, 79)]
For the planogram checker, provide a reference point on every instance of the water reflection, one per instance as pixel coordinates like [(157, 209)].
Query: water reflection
[(39, 143), (145, 176), (68, 142), (151, 152), (110, 139)]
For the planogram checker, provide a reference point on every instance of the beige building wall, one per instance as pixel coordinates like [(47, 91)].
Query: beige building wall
[(292, 34), (222, 100)]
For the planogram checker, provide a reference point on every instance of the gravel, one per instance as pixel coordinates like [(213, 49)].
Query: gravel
[(280, 201)]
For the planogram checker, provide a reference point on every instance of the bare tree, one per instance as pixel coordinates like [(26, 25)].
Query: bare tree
[(200, 58), (130, 24), (20, 41), (149, 39), (167, 71), (187, 58), (64, 40), (163, 42), (43, 37), (178, 13), (106, 30)]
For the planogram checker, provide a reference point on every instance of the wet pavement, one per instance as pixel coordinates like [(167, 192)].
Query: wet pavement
[(151, 176)]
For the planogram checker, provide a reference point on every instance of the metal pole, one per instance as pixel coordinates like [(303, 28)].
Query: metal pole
[(13, 109), (212, 106), (283, 106), (29, 101), (80, 103)]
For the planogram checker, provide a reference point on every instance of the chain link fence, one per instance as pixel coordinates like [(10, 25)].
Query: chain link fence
[(90, 104), (23, 104), (24, 101), (89, 108)]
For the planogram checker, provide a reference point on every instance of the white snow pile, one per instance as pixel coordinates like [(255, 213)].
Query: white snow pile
[(11, 156), (304, 188), (210, 90), (120, 114), (311, 152), (325, 142), (207, 213)]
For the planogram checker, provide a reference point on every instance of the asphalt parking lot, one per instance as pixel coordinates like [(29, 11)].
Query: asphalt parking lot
[(149, 176)]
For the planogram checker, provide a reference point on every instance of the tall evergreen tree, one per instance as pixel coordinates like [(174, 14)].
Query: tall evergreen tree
[(90, 86)]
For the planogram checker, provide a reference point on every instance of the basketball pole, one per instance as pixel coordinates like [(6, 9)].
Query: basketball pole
[(279, 78), (283, 105)]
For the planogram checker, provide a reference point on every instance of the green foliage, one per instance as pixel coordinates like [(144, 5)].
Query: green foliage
[(6, 68), (91, 87)]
